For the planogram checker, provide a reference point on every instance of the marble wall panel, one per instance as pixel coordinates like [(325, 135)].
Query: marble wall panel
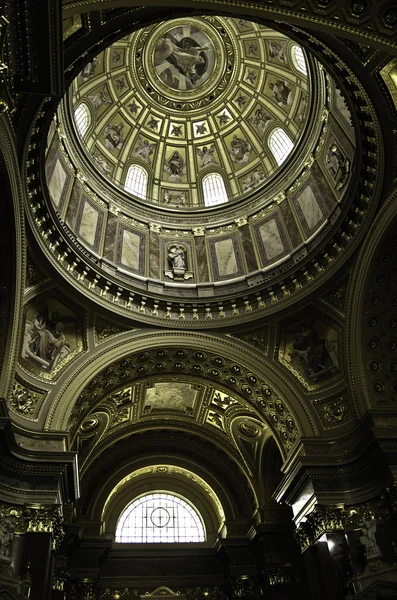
[(131, 249), (154, 256), (110, 237), (51, 157), (322, 189), (74, 203), (271, 239), (202, 261), (289, 218), (310, 209), (89, 223), (248, 247), (225, 256), (58, 183)]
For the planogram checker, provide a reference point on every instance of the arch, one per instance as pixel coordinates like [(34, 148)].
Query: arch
[(82, 118), (298, 59), (160, 517), (136, 181), (214, 190), (280, 145)]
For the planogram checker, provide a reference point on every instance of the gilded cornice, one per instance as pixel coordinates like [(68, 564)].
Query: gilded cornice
[(335, 17)]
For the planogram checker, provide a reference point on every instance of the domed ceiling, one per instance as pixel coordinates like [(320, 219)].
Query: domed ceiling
[(193, 169), (191, 96)]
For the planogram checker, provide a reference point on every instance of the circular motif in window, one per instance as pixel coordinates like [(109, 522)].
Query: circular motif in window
[(160, 517)]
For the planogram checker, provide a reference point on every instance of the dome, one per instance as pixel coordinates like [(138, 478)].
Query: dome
[(177, 101), (194, 168)]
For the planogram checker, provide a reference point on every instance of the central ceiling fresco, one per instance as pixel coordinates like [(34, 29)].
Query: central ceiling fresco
[(189, 97)]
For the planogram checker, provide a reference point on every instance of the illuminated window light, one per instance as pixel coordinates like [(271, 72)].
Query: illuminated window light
[(159, 517), (214, 190), (136, 181)]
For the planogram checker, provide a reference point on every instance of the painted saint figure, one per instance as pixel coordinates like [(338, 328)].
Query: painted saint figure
[(282, 92)]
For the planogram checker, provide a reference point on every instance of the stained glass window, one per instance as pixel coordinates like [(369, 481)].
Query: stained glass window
[(214, 189), (136, 181), (280, 145), (299, 59), (159, 517), (82, 118)]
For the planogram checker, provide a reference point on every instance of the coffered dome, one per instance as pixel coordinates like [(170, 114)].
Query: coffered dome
[(166, 106), (194, 168)]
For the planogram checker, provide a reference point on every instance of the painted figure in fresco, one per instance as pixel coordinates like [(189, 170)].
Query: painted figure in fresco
[(45, 341), (240, 150), (338, 165), (113, 136), (252, 180), (260, 119), (177, 256), (311, 351), (101, 162), (368, 539), (207, 155), (175, 167), (144, 149), (184, 53), (89, 70), (278, 50), (282, 92), (100, 98)]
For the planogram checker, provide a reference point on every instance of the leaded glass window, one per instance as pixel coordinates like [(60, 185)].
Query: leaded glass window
[(160, 517), (280, 145), (299, 59), (136, 181), (214, 189), (82, 118)]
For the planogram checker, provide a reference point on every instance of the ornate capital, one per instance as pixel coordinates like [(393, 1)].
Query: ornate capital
[(45, 520), (325, 519)]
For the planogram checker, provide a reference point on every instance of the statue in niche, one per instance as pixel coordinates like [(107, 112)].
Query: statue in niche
[(338, 166), (368, 539), (282, 92), (7, 528), (175, 167), (176, 257)]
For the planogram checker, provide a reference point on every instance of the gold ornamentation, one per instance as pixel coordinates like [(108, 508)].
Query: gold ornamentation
[(22, 400), (336, 411)]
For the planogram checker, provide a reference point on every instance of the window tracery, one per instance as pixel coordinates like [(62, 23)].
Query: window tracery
[(82, 118), (136, 181), (280, 145), (160, 517), (214, 189)]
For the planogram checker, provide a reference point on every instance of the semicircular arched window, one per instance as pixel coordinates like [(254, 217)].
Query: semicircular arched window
[(136, 181), (82, 118), (160, 517), (214, 190), (280, 145), (299, 59)]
